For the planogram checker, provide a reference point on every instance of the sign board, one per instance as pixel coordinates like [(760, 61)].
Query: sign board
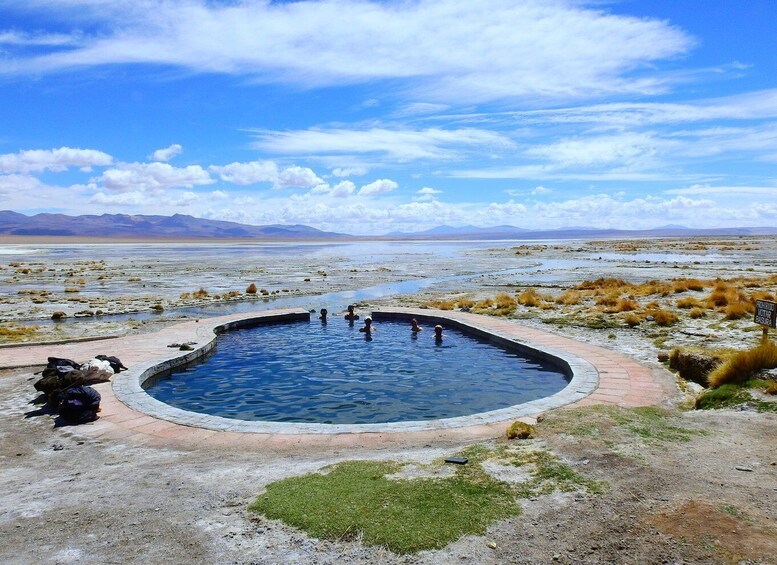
[(766, 313)]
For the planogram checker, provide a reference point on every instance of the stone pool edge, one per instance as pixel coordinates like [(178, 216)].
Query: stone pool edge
[(128, 388)]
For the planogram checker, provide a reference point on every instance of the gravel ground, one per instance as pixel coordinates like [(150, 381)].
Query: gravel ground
[(68, 499)]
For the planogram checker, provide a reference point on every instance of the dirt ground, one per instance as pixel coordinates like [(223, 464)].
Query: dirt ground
[(69, 499)]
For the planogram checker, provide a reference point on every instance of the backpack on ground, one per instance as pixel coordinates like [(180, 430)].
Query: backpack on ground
[(80, 404)]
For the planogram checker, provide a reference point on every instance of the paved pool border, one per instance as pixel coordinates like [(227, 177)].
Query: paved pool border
[(128, 386), (623, 381)]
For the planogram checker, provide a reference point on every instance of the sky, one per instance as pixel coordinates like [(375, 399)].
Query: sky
[(368, 117)]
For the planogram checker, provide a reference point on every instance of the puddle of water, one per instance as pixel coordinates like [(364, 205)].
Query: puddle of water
[(336, 301)]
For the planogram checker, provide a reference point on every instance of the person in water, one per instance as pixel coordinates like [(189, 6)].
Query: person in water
[(414, 327), (323, 315), (438, 335), (368, 328), (350, 315)]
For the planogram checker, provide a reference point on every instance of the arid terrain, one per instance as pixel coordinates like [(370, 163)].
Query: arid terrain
[(688, 486)]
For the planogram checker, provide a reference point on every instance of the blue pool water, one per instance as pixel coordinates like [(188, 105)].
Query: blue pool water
[(309, 372)]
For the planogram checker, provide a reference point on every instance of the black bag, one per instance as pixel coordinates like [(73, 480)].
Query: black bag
[(54, 384), (55, 362), (80, 404)]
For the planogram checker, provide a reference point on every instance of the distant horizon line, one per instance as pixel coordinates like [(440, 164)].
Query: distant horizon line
[(441, 231)]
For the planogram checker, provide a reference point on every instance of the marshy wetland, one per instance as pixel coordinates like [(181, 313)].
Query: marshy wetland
[(595, 484)]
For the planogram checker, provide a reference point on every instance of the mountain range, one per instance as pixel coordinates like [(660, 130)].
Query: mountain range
[(183, 226), (139, 226)]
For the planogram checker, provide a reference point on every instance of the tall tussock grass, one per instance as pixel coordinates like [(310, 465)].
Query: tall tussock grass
[(742, 365), (530, 298)]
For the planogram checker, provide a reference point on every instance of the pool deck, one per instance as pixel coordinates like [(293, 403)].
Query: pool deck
[(617, 380)]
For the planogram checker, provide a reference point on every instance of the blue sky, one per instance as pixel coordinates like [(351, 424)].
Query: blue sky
[(370, 117)]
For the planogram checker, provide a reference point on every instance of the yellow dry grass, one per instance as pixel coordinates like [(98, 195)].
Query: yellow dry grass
[(689, 302), (609, 299), (530, 298), (742, 365), (664, 317), (697, 313), (568, 298), (202, 293), (626, 305), (504, 301), (739, 309), (632, 320), (17, 331)]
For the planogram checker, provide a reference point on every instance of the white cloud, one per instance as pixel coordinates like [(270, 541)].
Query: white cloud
[(31, 39), (472, 52), (343, 189), (134, 198), (380, 186), (627, 149), (540, 190), (350, 171), (152, 177), (52, 159), (420, 109), (601, 210), (254, 172), (399, 144), (167, 153), (247, 173), (553, 172), (726, 190), (297, 177), (756, 105), (10, 184)]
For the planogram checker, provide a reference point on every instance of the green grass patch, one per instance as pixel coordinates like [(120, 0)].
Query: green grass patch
[(358, 499), (613, 425), (355, 499), (550, 474), (729, 396)]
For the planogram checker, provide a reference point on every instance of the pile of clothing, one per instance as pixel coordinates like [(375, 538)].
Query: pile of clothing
[(65, 384)]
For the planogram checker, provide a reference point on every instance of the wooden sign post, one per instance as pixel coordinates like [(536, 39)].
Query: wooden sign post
[(766, 315)]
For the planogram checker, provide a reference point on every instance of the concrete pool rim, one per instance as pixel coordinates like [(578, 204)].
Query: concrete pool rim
[(128, 386)]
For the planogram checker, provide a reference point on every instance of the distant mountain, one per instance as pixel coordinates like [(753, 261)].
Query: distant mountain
[(465, 232), (140, 226), (183, 226), (511, 232)]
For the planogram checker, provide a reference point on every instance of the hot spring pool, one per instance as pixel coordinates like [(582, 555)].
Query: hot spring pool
[(306, 372)]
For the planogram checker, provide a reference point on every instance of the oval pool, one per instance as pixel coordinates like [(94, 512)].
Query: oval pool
[(308, 372)]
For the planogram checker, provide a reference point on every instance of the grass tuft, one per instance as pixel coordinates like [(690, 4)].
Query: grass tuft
[(520, 430), (744, 364), (626, 305), (665, 317), (15, 331), (632, 320), (202, 293), (725, 396), (530, 298), (739, 309), (568, 298)]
